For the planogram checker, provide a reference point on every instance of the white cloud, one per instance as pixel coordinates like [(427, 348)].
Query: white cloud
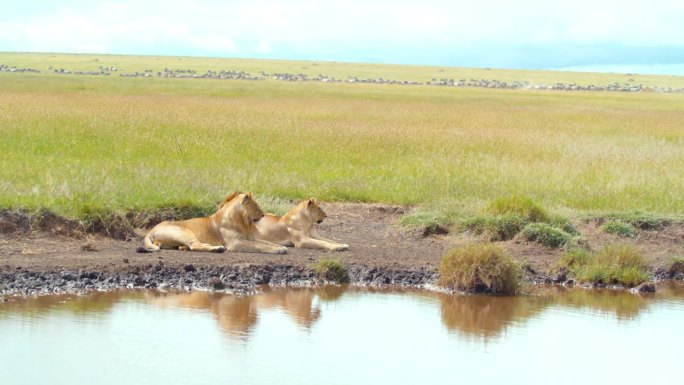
[(338, 27)]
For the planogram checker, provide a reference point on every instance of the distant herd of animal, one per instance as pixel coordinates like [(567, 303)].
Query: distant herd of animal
[(239, 225), (629, 86)]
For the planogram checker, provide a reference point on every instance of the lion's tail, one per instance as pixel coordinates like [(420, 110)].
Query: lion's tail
[(149, 245)]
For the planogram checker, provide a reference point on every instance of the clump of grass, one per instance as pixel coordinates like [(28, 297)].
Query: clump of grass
[(497, 228), (519, 205), (480, 268), (675, 266), (564, 224), (428, 220), (641, 220), (612, 265), (331, 270), (618, 228), (545, 234)]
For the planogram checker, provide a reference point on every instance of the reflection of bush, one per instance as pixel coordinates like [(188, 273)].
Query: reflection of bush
[(622, 304), (486, 316), (331, 293)]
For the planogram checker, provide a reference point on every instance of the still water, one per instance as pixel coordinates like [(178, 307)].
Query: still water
[(339, 335)]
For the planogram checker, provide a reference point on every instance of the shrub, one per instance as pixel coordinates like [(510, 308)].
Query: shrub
[(520, 206), (480, 268), (331, 270), (622, 265), (618, 228), (545, 234)]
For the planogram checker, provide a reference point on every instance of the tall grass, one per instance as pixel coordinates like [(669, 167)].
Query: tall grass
[(71, 142)]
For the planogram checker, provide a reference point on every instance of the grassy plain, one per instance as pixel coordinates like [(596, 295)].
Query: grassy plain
[(74, 143)]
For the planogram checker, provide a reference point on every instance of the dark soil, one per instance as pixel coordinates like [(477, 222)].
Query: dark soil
[(42, 254)]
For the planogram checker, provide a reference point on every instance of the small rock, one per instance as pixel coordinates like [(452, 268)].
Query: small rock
[(215, 283), (89, 246), (125, 260), (646, 287), (189, 267)]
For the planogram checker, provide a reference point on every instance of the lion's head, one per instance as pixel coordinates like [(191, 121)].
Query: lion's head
[(314, 211), (251, 212), (242, 205)]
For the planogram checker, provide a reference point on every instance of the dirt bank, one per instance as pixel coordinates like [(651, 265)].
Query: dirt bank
[(39, 258)]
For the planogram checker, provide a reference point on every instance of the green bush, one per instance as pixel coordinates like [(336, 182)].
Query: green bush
[(480, 268), (331, 270), (618, 228), (545, 234)]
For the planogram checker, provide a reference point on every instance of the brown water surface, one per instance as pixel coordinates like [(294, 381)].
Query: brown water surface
[(340, 335)]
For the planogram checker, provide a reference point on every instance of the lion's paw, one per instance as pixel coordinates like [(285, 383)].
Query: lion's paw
[(341, 247), (219, 249), (281, 250)]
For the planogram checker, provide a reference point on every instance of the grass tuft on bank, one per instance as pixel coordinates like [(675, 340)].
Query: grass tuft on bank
[(480, 268), (611, 265), (331, 270)]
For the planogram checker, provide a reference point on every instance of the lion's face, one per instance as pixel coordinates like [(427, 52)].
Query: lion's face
[(251, 210), (314, 211)]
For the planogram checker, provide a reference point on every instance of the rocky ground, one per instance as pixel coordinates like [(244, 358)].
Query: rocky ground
[(381, 254)]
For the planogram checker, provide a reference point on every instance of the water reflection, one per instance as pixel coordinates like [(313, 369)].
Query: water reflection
[(238, 315), (481, 317)]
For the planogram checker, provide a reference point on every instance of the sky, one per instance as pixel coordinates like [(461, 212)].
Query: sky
[(604, 35)]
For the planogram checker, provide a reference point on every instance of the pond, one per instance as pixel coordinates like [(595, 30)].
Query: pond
[(341, 335)]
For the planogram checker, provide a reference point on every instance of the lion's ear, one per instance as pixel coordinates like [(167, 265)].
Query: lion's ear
[(246, 198), (310, 202)]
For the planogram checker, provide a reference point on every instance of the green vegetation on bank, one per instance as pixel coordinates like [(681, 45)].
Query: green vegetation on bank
[(80, 145), (480, 268), (611, 265), (331, 270)]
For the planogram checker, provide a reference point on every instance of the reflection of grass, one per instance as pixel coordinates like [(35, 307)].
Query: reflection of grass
[(480, 268), (122, 144), (487, 316), (622, 304)]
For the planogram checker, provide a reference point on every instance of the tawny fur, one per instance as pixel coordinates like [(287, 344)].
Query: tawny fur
[(296, 228), (231, 228)]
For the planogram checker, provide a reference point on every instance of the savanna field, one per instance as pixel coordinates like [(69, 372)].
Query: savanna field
[(72, 144)]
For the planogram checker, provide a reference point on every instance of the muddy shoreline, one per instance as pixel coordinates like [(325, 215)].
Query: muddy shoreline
[(41, 253), (231, 279)]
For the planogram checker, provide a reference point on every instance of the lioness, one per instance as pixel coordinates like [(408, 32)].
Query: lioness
[(230, 228), (296, 228)]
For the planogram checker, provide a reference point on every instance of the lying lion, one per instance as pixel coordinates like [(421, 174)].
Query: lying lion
[(296, 228), (230, 228)]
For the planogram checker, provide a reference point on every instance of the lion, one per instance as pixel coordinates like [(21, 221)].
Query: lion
[(296, 228), (231, 228)]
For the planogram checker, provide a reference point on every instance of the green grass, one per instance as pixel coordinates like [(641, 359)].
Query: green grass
[(521, 206), (618, 228), (331, 270), (74, 144), (612, 265), (480, 268), (545, 234)]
